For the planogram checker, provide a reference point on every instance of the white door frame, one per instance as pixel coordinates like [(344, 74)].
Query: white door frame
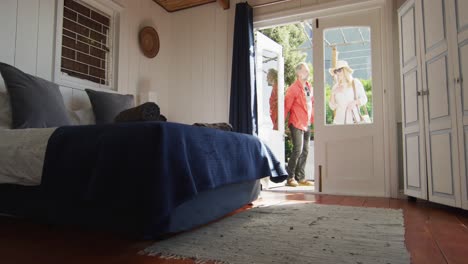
[(389, 64)]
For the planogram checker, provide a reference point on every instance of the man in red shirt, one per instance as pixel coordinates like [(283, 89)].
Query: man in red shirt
[(298, 103)]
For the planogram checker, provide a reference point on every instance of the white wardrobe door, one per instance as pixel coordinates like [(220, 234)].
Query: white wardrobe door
[(439, 104), (460, 53), (414, 158)]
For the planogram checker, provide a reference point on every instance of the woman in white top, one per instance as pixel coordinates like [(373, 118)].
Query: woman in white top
[(343, 101)]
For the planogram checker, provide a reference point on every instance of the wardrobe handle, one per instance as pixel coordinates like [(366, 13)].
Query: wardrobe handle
[(419, 93)]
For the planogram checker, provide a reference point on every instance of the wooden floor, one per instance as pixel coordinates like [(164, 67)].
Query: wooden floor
[(434, 234)]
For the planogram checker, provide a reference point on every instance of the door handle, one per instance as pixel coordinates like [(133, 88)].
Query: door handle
[(419, 93), (423, 93)]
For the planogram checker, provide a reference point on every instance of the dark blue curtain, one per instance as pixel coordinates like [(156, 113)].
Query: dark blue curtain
[(243, 105)]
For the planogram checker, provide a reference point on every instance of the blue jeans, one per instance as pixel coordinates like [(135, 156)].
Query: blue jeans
[(298, 159)]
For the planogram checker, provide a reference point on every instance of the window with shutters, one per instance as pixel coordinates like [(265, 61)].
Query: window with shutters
[(86, 44)]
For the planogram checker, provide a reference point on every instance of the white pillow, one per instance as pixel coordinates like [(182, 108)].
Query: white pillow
[(86, 116), (5, 109), (82, 117), (74, 118), (2, 85)]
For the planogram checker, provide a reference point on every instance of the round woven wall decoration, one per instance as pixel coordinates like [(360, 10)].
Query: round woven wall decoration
[(149, 41)]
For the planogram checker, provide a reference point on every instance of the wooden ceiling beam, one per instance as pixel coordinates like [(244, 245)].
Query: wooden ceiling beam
[(224, 4), (176, 5)]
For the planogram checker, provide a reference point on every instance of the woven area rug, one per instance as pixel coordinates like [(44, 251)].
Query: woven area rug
[(294, 233)]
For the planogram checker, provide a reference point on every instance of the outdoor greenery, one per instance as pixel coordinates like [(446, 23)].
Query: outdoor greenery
[(290, 37)]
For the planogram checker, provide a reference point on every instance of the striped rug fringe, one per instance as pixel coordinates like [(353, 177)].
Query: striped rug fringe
[(196, 260)]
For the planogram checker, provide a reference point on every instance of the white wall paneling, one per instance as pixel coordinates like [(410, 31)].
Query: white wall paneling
[(180, 92), (132, 27), (145, 75), (26, 35), (8, 18), (204, 63), (45, 39), (222, 85), (200, 64), (28, 32)]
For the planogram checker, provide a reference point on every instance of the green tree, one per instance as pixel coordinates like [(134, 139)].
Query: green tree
[(290, 37)]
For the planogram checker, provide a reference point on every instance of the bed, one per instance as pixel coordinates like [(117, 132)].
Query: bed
[(143, 179), (140, 179)]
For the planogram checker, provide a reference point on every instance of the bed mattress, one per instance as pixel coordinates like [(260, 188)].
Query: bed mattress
[(22, 153)]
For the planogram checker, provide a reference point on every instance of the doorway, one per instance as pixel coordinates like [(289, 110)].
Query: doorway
[(279, 50), (347, 156)]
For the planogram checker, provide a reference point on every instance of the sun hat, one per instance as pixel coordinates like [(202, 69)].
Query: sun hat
[(340, 64)]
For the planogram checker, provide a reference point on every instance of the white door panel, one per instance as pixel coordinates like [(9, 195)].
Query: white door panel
[(412, 162), (463, 167), (433, 23), (408, 29), (459, 26), (462, 19), (350, 177), (414, 157), (439, 102), (462, 89), (269, 63), (464, 72), (438, 89), (442, 159), (350, 157), (410, 99)]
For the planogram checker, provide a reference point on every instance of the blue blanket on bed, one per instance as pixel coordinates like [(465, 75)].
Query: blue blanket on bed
[(128, 177)]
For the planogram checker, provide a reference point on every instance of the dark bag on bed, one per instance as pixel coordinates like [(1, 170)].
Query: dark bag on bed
[(221, 126), (146, 112)]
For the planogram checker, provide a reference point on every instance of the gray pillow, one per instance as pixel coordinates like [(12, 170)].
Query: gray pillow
[(106, 106), (35, 102), (5, 110)]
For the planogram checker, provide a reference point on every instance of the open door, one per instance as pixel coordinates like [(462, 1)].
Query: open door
[(270, 97), (349, 146)]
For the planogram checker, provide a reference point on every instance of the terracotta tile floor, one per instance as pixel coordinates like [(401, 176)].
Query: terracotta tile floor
[(434, 234)]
